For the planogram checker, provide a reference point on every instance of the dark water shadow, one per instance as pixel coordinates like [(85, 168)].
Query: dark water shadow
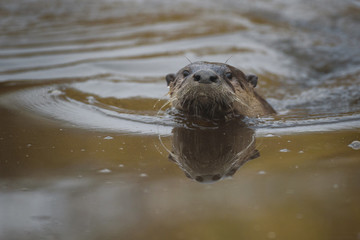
[(210, 154)]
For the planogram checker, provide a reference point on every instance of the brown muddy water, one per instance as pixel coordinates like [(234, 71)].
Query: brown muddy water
[(84, 142)]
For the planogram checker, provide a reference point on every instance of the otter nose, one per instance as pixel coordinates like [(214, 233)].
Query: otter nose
[(208, 178), (207, 77)]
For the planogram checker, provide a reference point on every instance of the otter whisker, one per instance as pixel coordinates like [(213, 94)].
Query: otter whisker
[(188, 59), (228, 59), (159, 100), (167, 102), (241, 101)]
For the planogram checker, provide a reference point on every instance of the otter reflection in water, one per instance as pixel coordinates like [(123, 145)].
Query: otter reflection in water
[(208, 155)]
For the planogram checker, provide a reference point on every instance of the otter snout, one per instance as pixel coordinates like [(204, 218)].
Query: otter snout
[(206, 77), (208, 178), (216, 91)]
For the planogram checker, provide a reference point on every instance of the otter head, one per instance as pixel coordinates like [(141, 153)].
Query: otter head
[(212, 90)]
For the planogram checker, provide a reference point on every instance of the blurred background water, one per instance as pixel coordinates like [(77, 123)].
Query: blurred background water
[(81, 89)]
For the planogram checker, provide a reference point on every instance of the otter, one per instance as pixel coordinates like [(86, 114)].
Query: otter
[(211, 154), (214, 90)]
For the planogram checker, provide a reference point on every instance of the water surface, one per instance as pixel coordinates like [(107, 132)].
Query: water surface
[(86, 136)]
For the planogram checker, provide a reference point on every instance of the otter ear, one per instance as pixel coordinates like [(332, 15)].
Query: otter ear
[(170, 78), (252, 79)]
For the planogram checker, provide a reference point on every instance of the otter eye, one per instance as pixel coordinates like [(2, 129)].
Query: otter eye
[(228, 75), (186, 73)]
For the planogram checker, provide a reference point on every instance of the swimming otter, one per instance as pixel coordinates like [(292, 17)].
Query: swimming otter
[(216, 90)]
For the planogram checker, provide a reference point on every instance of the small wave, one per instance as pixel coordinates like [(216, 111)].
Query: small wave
[(52, 103), (318, 100), (288, 127), (104, 108)]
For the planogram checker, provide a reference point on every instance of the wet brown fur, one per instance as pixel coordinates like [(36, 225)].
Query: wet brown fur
[(226, 98)]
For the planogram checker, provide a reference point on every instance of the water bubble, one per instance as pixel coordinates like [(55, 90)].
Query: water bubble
[(105, 170), (55, 92), (284, 150), (355, 145), (90, 99), (269, 135)]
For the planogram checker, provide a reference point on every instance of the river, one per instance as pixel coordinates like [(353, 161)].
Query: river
[(89, 148)]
